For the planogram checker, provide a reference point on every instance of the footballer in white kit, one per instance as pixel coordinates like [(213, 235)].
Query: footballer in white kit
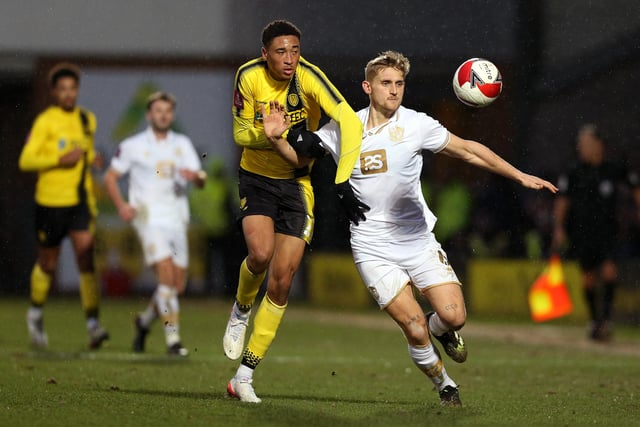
[(395, 245), (161, 164), (158, 192)]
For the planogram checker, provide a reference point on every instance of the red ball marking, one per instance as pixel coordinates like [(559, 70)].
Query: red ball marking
[(465, 72), (490, 90)]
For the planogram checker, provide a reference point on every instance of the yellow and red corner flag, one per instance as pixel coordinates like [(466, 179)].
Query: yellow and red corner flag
[(548, 296)]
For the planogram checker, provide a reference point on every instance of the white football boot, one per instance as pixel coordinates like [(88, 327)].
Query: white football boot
[(241, 389), (233, 340), (35, 325)]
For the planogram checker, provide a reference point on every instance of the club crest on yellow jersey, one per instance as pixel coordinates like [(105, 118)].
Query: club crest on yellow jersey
[(293, 99)]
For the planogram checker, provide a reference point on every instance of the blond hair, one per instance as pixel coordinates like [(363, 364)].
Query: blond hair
[(387, 59), (161, 96)]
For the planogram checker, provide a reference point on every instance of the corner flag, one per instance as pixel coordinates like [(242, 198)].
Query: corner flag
[(548, 296)]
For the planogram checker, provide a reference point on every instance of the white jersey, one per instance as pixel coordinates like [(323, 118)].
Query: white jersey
[(156, 189), (387, 178)]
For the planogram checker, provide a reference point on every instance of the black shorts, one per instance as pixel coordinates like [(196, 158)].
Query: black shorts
[(593, 252), (289, 202), (54, 224)]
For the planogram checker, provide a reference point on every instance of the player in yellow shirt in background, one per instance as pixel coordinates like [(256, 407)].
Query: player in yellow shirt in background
[(276, 198), (60, 148)]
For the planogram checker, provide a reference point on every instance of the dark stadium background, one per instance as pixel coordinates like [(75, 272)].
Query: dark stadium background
[(563, 64)]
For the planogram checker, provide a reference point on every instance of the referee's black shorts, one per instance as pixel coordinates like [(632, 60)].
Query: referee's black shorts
[(289, 202), (592, 252), (54, 223)]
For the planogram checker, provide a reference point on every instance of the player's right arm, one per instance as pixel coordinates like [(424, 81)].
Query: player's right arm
[(245, 132), (37, 155), (120, 164), (125, 210)]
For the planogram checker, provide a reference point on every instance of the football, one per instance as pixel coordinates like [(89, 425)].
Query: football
[(477, 82)]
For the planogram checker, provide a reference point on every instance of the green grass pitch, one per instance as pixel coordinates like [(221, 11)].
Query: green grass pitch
[(326, 368)]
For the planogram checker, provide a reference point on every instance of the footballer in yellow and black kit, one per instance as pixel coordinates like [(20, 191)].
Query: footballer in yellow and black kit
[(306, 95), (64, 195), (60, 149)]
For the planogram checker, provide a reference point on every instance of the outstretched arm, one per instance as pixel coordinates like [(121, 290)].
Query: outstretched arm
[(480, 155)]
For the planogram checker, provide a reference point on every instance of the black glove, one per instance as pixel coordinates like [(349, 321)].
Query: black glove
[(306, 143), (353, 207)]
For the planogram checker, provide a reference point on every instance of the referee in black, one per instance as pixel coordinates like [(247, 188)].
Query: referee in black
[(585, 218)]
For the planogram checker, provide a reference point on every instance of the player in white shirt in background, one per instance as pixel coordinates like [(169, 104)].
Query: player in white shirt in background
[(394, 249), (160, 164)]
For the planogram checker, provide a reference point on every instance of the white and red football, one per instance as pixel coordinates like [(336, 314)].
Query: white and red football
[(477, 82)]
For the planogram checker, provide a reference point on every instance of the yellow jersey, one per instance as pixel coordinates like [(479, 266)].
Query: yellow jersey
[(306, 96), (55, 132)]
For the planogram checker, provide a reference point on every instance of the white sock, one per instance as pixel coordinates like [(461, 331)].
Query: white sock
[(172, 331), (174, 305), (427, 360), (164, 294), (161, 297), (150, 313), (244, 372), (34, 313), (238, 313), (171, 334), (92, 323), (437, 326)]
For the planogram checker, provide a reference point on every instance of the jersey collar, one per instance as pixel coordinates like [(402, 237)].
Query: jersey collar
[(152, 136), (376, 130)]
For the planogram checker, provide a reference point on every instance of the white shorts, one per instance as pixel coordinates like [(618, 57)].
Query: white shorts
[(421, 263), (159, 243)]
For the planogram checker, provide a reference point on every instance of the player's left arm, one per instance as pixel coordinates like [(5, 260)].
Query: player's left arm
[(192, 170), (350, 140), (482, 156), (94, 157), (333, 103)]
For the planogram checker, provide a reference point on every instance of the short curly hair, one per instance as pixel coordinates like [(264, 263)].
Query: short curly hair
[(64, 69), (278, 28)]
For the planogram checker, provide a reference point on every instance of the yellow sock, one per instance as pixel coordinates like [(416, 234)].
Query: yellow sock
[(248, 286), (265, 326), (40, 284), (89, 294)]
